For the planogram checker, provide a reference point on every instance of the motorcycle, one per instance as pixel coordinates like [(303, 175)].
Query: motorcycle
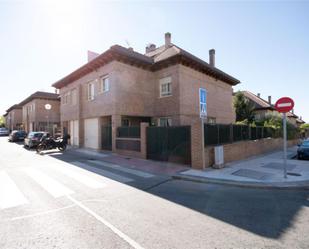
[(49, 143)]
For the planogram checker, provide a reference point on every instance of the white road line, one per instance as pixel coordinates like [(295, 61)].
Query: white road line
[(118, 167), (10, 195), (56, 189), (108, 174), (80, 177), (125, 237), (284, 104)]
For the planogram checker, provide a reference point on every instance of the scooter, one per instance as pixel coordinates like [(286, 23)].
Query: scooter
[(49, 143)]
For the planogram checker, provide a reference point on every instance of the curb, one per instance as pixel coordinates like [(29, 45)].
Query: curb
[(301, 185)]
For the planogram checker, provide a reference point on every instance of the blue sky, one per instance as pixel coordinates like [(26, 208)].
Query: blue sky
[(263, 44)]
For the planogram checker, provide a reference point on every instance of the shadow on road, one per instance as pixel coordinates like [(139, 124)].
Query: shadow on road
[(268, 213)]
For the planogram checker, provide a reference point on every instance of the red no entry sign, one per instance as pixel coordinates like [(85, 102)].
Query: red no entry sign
[(284, 104)]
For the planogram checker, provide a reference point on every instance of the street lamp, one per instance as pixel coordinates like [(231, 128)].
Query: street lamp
[(48, 107)]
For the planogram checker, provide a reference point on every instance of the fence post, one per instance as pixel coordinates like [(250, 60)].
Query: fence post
[(249, 128), (231, 133)]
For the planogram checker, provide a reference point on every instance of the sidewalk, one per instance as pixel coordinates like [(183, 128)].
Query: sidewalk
[(155, 167), (265, 171)]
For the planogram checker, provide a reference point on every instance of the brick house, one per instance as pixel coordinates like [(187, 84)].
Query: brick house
[(263, 108), (13, 118), (35, 116), (121, 87)]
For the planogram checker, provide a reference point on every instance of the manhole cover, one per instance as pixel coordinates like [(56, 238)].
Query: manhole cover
[(279, 166), (253, 174)]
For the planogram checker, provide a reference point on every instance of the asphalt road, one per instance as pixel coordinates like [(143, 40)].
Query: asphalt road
[(71, 201)]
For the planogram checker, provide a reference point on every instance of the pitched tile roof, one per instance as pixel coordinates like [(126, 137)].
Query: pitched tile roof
[(151, 61), (40, 95), (258, 102), (16, 106)]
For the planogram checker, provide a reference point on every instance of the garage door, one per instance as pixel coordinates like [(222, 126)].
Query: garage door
[(74, 132), (92, 133)]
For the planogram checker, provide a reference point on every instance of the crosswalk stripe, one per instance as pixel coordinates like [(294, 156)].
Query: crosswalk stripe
[(108, 174), (80, 177), (10, 195), (118, 167), (55, 188)]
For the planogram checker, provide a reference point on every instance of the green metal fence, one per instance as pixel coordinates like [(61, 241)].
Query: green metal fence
[(129, 131), (216, 134)]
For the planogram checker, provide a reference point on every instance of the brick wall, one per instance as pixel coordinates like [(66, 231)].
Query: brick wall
[(245, 149)]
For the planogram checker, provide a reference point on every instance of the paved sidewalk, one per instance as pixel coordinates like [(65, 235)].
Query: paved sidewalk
[(155, 167), (265, 171)]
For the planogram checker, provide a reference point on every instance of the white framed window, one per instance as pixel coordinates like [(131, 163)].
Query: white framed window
[(104, 84), (74, 97), (166, 87), (66, 98), (165, 121), (90, 91)]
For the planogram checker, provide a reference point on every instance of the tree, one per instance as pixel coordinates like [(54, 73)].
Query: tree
[(244, 108), (2, 121)]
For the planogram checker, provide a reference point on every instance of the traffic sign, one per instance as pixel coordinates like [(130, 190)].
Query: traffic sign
[(203, 103), (284, 104)]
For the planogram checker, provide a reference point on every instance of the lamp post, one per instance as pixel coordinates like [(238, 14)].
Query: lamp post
[(48, 107)]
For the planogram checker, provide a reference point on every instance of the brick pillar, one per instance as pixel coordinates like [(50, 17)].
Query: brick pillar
[(196, 145), (81, 133), (144, 140), (116, 122)]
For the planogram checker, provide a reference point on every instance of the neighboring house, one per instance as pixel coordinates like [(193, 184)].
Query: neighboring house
[(6, 124), (300, 121), (262, 107), (121, 87), (14, 117), (36, 117)]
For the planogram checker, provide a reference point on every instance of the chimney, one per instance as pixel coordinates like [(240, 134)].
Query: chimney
[(131, 49), (150, 47), (168, 39), (269, 100), (292, 111), (92, 55), (300, 118), (212, 57), (259, 95)]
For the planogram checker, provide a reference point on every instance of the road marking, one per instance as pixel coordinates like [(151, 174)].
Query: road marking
[(284, 104), (42, 213), (56, 189), (10, 195), (103, 172), (125, 237), (118, 167), (80, 177)]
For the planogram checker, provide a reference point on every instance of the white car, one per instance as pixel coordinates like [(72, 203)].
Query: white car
[(4, 132)]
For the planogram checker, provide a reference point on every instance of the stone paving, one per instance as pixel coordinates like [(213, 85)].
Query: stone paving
[(267, 168)]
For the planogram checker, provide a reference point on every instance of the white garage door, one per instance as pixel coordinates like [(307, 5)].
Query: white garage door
[(74, 132), (92, 133)]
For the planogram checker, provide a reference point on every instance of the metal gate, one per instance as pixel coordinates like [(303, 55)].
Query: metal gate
[(172, 144), (106, 137)]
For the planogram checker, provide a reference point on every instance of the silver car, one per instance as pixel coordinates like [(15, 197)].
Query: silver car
[(4, 132)]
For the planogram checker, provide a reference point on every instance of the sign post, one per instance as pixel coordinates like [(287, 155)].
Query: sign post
[(284, 105), (48, 107), (203, 115)]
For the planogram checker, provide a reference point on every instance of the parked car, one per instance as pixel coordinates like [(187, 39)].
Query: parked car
[(4, 132), (303, 150), (33, 139), (17, 136)]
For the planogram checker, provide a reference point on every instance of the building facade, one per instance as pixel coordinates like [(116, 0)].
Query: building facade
[(35, 115), (121, 87), (14, 118)]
